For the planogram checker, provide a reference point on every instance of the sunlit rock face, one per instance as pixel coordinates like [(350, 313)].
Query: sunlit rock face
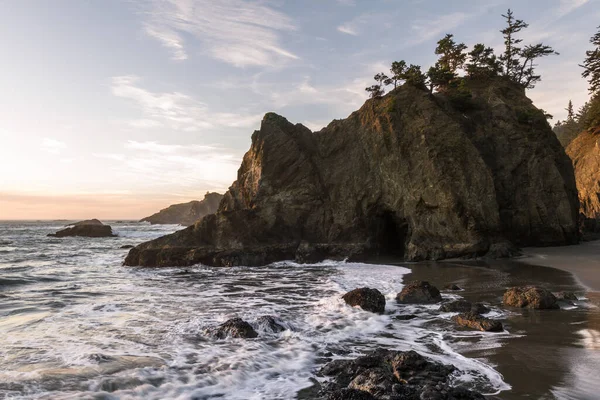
[(411, 174), (584, 150)]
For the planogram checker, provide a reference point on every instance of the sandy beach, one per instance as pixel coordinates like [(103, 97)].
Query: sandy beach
[(582, 260)]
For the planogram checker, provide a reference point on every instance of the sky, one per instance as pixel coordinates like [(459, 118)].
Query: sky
[(114, 109)]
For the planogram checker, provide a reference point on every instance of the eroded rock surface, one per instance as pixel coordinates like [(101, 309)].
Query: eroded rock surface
[(233, 328), (366, 298), (408, 175), (186, 213), (386, 374), (475, 321), (419, 292), (530, 297)]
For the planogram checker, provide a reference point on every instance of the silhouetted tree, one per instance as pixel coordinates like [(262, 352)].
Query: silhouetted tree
[(483, 62), (526, 75), (377, 89), (452, 56), (591, 64), (570, 112), (511, 53), (398, 69), (413, 76), (439, 76)]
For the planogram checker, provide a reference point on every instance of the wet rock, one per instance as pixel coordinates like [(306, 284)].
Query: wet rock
[(405, 317), (419, 292), (366, 298), (234, 328), (269, 324), (475, 321), (530, 297), (566, 296), (89, 228), (127, 246), (387, 374), (463, 306), (453, 287)]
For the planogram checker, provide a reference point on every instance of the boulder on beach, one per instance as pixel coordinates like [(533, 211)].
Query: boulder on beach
[(386, 374), (88, 228), (366, 298), (411, 175), (419, 292), (530, 297), (463, 306), (233, 328), (475, 321)]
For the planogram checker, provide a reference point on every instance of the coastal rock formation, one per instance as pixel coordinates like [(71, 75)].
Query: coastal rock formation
[(233, 328), (386, 374), (530, 297), (419, 292), (475, 321), (410, 174), (367, 299), (88, 228), (269, 324), (186, 213), (584, 150)]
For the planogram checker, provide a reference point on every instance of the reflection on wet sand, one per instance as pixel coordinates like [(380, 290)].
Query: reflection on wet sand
[(554, 353)]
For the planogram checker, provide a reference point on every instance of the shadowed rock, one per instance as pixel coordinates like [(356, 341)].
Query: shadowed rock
[(475, 321), (386, 374), (89, 228), (452, 287), (409, 175), (567, 296), (419, 292), (530, 297), (233, 328), (186, 213), (269, 324), (367, 299)]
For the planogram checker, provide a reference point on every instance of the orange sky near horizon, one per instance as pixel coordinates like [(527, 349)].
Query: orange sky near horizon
[(80, 207)]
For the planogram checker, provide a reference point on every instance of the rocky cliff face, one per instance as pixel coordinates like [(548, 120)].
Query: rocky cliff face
[(584, 150), (412, 174), (186, 213)]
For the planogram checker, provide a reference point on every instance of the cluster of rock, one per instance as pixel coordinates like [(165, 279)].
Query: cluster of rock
[(88, 228), (407, 174), (186, 214)]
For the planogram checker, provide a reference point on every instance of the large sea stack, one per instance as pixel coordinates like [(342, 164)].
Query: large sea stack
[(411, 174), (186, 213)]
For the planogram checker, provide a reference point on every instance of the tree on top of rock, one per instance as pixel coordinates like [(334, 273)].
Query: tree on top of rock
[(452, 56), (518, 62), (398, 70), (377, 89), (483, 62), (591, 64)]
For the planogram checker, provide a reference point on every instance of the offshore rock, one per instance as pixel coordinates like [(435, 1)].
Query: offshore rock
[(88, 228), (367, 299), (233, 328), (186, 213), (410, 174)]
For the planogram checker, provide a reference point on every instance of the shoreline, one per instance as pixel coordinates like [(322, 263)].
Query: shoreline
[(581, 260)]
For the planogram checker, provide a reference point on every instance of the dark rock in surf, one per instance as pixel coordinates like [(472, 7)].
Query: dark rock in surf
[(419, 292), (269, 324), (452, 287), (530, 297), (387, 374), (89, 228), (127, 246), (475, 321), (233, 328), (366, 298), (566, 296), (410, 174), (463, 306)]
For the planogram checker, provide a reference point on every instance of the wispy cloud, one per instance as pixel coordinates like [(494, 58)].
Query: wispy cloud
[(175, 110), (347, 29), (424, 30), (53, 146), (242, 33), (568, 6)]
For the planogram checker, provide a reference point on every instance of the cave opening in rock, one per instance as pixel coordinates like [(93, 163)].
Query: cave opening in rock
[(388, 233)]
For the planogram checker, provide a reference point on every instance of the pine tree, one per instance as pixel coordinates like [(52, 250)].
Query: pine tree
[(452, 56), (377, 89), (570, 112), (483, 62), (511, 53), (591, 64), (397, 70), (413, 76)]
